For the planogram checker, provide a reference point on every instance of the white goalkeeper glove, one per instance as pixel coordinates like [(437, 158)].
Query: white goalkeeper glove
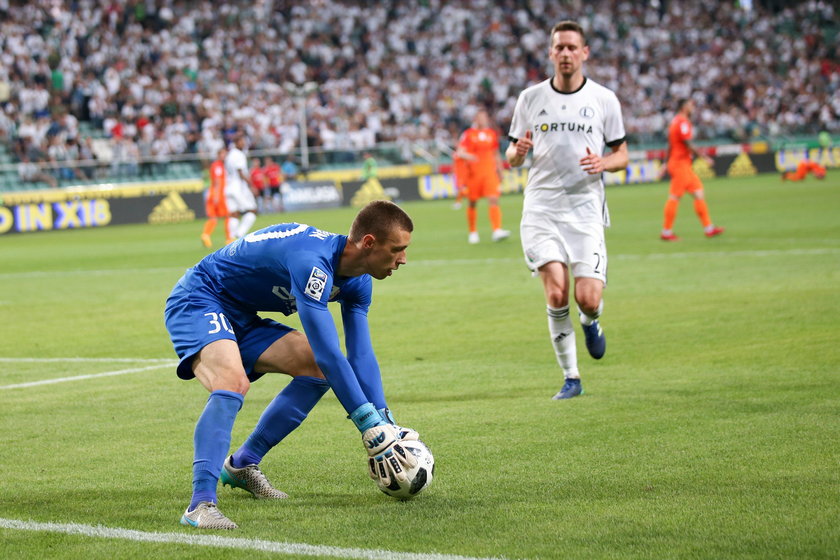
[(407, 434), (402, 432), (387, 459)]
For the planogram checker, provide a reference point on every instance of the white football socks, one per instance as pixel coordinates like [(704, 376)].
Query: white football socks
[(245, 224), (563, 340), (233, 226), (586, 319)]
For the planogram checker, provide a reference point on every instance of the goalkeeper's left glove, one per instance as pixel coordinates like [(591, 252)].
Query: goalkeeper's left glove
[(387, 459)]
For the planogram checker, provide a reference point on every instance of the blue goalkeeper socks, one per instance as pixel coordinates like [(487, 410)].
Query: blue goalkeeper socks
[(280, 418), (212, 441)]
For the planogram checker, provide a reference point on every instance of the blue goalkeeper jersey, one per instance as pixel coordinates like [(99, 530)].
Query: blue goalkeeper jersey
[(280, 268), (292, 268)]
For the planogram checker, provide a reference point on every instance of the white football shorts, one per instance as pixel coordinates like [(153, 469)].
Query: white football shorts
[(580, 246), (240, 199)]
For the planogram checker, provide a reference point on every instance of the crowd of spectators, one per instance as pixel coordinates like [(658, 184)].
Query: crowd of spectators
[(164, 78)]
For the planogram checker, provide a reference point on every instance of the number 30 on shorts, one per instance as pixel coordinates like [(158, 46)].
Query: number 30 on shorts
[(218, 321)]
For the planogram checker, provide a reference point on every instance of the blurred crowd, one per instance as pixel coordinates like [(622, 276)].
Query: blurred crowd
[(162, 78)]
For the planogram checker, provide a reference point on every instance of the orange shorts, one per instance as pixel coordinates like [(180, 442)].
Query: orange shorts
[(217, 209), (461, 173), (481, 186), (683, 179)]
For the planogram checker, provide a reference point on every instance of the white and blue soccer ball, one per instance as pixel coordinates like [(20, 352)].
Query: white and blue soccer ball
[(419, 477)]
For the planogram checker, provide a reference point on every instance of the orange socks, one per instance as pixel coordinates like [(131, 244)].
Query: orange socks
[(702, 212), (228, 232), (209, 226), (671, 207), (495, 214), (472, 218)]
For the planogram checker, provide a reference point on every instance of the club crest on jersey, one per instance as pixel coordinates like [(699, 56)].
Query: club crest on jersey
[(587, 112), (316, 284)]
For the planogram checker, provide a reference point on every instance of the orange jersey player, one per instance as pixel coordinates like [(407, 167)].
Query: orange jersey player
[(215, 205), (802, 169), (460, 173), (479, 146), (683, 178)]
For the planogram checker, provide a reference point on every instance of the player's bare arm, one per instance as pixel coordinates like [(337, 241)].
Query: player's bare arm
[(517, 151), (464, 154), (698, 154), (664, 169), (617, 160), (500, 169)]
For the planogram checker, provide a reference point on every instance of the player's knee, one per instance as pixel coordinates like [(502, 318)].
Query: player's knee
[(588, 296), (589, 302), (589, 307), (556, 297), (242, 386), (236, 383)]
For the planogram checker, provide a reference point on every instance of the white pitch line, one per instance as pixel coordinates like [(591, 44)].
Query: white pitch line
[(288, 548), (87, 376), (102, 360)]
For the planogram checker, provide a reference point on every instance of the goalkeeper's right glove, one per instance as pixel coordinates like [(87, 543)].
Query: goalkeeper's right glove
[(407, 434), (402, 432), (387, 459)]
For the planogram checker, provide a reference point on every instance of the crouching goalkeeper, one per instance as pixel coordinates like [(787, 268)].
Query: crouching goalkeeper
[(212, 319)]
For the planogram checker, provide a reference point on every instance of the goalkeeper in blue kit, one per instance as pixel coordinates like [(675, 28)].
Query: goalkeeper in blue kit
[(212, 319)]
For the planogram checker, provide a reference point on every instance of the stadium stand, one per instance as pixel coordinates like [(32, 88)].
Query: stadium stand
[(129, 87)]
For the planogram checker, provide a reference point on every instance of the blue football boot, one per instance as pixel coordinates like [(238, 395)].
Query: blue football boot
[(596, 342), (571, 388)]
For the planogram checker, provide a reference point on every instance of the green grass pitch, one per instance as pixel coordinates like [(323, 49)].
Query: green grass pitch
[(711, 429)]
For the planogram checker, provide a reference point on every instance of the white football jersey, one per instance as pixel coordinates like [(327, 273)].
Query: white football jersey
[(563, 126), (234, 162)]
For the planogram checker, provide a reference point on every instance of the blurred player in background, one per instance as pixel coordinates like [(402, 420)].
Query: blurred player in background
[(802, 169), (274, 178), (241, 202), (568, 121), (214, 203), (259, 183), (370, 168), (460, 169), (683, 178), (211, 316), (479, 147)]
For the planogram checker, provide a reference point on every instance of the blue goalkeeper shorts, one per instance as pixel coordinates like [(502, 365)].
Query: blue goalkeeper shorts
[(194, 319)]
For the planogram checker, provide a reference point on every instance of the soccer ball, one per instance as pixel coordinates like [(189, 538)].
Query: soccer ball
[(419, 478)]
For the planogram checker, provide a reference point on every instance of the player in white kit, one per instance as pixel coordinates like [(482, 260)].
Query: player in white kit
[(241, 202), (568, 121)]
